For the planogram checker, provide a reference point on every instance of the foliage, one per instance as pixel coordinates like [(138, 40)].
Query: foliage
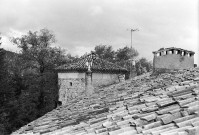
[(126, 53), (122, 57), (143, 66), (28, 81), (105, 52), (0, 39), (36, 49)]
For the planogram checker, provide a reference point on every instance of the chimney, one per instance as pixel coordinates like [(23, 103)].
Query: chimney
[(132, 69), (89, 86)]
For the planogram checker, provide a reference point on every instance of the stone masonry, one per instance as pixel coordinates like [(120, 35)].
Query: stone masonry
[(70, 88), (173, 58)]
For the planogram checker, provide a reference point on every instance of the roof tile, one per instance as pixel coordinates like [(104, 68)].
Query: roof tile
[(130, 132), (152, 125), (193, 130), (175, 131), (98, 65), (149, 117), (187, 122), (168, 109), (157, 132), (145, 105)]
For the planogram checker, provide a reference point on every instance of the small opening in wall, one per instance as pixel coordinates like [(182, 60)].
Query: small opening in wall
[(179, 52), (71, 84), (185, 53), (172, 51)]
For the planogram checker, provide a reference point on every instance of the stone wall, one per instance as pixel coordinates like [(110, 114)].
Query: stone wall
[(70, 85), (102, 79), (173, 61)]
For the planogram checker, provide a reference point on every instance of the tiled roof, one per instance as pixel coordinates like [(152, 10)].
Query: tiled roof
[(99, 65), (167, 104), (171, 48)]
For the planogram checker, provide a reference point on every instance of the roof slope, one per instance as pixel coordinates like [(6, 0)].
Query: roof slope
[(99, 65), (167, 104)]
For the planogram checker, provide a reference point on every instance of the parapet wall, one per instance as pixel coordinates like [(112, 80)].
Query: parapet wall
[(103, 79), (173, 59)]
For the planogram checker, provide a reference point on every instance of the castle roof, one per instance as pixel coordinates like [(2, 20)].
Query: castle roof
[(173, 48), (166, 104), (99, 65)]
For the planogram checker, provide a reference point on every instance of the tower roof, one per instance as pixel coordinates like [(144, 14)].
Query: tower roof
[(172, 48)]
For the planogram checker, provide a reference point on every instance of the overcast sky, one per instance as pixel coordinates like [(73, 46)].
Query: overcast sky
[(80, 25)]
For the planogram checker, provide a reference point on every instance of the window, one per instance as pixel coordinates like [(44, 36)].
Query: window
[(185, 53), (179, 52), (172, 51), (71, 84)]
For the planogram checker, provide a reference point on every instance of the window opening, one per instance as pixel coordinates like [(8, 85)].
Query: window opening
[(179, 52), (172, 51)]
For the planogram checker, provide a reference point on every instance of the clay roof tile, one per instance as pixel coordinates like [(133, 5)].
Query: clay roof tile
[(99, 65)]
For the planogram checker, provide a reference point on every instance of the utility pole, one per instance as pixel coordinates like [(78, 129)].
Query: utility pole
[(132, 30), (132, 61)]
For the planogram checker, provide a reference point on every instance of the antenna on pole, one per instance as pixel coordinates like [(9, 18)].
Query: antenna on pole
[(132, 61), (132, 30)]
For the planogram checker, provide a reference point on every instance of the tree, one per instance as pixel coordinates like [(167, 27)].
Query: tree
[(0, 39), (143, 66), (6, 94), (36, 48), (105, 52), (37, 70), (126, 53), (3, 74), (28, 81)]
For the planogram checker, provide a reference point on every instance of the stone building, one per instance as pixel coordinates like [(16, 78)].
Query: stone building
[(173, 58), (75, 79)]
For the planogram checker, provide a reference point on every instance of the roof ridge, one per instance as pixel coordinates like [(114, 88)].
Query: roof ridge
[(99, 64)]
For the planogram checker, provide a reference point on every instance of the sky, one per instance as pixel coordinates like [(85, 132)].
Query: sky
[(80, 25)]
